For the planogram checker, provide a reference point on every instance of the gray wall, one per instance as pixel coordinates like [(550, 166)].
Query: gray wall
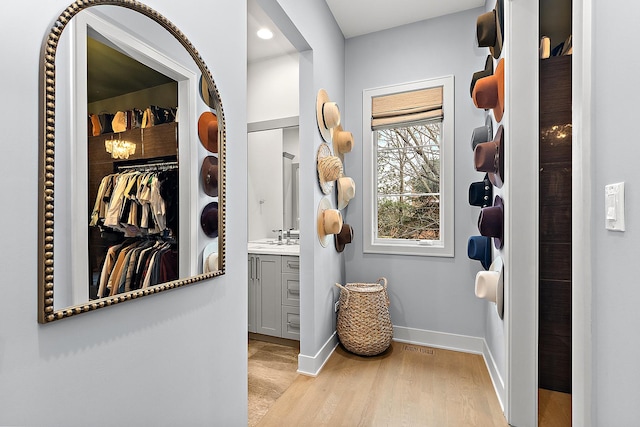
[(180, 354), (616, 294), (429, 293)]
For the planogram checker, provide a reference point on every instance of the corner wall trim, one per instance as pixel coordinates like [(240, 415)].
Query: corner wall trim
[(312, 365)]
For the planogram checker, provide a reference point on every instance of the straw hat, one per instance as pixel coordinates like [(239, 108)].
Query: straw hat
[(329, 168), (327, 114), (489, 157), (342, 142), (344, 237), (491, 222), (479, 248), (209, 220), (209, 176), (210, 257), (489, 92), (490, 285), (329, 221), (346, 191), (208, 131), (490, 29)]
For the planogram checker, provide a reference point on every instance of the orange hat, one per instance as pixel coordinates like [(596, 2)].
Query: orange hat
[(489, 92), (208, 131)]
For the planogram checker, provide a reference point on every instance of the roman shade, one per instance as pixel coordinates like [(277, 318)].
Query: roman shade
[(406, 108)]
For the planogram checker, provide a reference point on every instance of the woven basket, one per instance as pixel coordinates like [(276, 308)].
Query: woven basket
[(364, 324)]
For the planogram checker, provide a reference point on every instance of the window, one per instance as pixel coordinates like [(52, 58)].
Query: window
[(408, 168)]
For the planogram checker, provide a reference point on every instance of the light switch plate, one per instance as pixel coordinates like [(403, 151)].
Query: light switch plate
[(614, 206)]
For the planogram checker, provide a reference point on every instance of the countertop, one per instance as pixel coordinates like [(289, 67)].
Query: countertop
[(268, 247)]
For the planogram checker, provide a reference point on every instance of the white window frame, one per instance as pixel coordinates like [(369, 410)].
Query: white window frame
[(445, 246)]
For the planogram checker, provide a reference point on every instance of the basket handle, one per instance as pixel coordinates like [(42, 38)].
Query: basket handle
[(383, 282), (346, 299)]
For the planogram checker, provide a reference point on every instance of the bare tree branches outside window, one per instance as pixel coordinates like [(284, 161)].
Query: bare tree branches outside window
[(408, 189)]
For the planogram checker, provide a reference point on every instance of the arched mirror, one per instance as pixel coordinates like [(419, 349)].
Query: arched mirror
[(132, 160)]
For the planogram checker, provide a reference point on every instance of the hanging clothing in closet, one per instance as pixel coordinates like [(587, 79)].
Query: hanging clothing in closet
[(137, 264)]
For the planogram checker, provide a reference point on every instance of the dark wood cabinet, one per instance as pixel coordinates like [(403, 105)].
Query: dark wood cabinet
[(554, 344)]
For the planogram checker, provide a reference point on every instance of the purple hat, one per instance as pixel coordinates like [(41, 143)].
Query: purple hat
[(209, 219), (479, 248), (491, 222)]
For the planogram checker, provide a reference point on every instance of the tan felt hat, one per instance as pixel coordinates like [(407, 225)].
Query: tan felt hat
[(329, 221)]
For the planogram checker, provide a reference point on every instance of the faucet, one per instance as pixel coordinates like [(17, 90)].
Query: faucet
[(279, 235), (292, 235)]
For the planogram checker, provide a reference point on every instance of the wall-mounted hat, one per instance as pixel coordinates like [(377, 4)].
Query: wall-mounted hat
[(489, 157), (342, 142), (210, 257), (119, 122), (344, 237), (491, 222), (208, 131), (329, 168), (489, 92), (481, 192), (346, 191), (490, 285), (482, 133), (488, 70), (205, 93), (209, 176), (329, 221), (327, 114), (209, 220), (490, 29), (479, 248)]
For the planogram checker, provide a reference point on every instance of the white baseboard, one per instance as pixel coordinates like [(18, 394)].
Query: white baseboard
[(463, 343), (311, 365)]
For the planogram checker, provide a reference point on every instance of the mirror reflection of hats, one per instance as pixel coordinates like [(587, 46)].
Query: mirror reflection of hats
[(490, 285), (208, 131), (479, 248), (491, 222), (209, 176), (327, 114), (329, 221), (344, 237), (209, 220), (205, 93), (489, 92), (490, 29), (210, 257), (481, 192), (487, 71), (346, 191), (489, 157), (329, 168), (342, 142), (482, 133)]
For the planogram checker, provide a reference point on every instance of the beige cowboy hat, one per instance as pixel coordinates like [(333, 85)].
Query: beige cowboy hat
[(490, 285), (329, 168), (329, 221), (346, 191), (342, 142), (210, 257), (327, 114)]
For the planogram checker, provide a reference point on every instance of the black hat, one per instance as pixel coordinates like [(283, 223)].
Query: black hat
[(481, 192), (209, 219)]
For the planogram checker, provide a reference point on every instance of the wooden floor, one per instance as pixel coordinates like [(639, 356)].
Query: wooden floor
[(408, 385), (554, 409)]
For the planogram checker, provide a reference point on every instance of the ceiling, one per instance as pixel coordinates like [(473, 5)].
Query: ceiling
[(355, 18)]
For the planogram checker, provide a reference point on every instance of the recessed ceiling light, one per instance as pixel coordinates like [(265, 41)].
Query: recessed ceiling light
[(265, 33)]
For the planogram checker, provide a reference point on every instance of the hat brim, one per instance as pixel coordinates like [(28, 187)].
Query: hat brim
[(211, 248), (323, 237), (498, 110), (339, 244), (499, 241), (498, 265), (487, 71), (497, 179), (321, 99), (496, 49), (323, 151), (205, 121), (205, 172)]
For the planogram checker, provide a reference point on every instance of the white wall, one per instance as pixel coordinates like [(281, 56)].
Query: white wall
[(614, 267), (182, 353), (272, 86), (427, 293)]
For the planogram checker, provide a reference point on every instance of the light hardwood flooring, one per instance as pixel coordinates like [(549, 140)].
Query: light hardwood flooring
[(408, 385), (554, 409)]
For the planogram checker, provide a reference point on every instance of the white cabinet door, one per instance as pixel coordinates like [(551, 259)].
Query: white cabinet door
[(268, 291)]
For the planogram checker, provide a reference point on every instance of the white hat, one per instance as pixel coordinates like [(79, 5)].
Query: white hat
[(210, 257), (327, 115), (329, 221), (490, 285), (346, 191)]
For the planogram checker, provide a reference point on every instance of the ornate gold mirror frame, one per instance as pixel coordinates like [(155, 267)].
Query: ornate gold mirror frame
[(46, 311)]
